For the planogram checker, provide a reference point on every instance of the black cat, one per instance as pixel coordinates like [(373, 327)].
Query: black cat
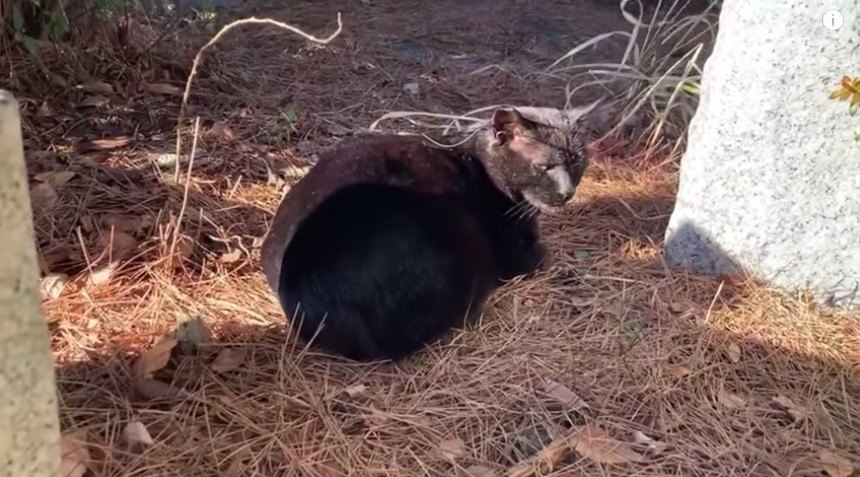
[(388, 242)]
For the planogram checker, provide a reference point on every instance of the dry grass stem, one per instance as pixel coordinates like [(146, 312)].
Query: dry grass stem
[(197, 58)]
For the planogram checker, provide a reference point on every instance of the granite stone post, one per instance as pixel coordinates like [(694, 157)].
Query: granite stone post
[(771, 179), (29, 426)]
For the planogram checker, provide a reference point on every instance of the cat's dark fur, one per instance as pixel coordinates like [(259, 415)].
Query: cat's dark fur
[(389, 242)]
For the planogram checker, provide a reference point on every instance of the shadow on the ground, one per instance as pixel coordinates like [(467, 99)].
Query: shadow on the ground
[(106, 213), (648, 350)]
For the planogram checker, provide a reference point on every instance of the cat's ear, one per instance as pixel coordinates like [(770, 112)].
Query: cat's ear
[(508, 123)]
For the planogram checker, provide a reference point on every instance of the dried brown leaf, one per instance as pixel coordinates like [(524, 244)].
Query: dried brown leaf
[(94, 101), (653, 445), (233, 256), (561, 393), (545, 460), (480, 471), (524, 469), (222, 132), (731, 400), (835, 464), (451, 448), (155, 358), (96, 87), (43, 197), (328, 469), (376, 418), (58, 80), (120, 244), (74, 454), (153, 389), (796, 463), (55, 178), (52, 285), (162, 88), (124, 223), (580, 302), (102, 275), (135, 433), (108, 174), (296, 172), (595, 444), (677, 371), (734, 352), (235, 468), (799, 413), (229, 359), (184, 248), (44, 111), (355, 390), (103, 144), (274, 179)]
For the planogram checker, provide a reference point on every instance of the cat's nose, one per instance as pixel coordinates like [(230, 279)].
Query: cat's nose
[(564, 185)]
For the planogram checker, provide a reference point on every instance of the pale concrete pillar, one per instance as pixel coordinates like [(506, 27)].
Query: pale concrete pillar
[(29, 424), (770, 181)]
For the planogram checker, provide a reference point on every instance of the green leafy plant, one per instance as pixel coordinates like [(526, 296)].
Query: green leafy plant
[(46, 17), (849, 90), (19, 31), (287, 124)]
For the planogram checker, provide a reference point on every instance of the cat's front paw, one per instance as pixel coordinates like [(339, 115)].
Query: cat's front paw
[(542, 259), (527, 260)]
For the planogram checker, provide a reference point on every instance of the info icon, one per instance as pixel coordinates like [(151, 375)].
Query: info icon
[(833, 20)]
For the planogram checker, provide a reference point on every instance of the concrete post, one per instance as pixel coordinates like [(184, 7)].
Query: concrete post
[(29, 424)]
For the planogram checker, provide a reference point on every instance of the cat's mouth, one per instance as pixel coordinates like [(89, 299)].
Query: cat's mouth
[(541, 205)]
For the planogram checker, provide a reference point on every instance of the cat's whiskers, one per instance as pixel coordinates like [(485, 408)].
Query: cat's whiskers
[(516, 208), (527, 211)]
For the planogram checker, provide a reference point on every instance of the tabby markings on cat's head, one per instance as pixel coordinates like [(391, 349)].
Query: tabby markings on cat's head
[(539, 154)]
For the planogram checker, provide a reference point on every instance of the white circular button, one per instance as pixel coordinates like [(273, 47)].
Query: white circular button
[(833, 20)]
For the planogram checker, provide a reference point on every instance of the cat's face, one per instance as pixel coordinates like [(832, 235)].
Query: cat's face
[(539, 162)]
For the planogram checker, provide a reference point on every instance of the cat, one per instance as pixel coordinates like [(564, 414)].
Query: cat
[(390, 241)]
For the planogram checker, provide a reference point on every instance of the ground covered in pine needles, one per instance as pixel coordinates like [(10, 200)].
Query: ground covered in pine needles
[(172, 356)]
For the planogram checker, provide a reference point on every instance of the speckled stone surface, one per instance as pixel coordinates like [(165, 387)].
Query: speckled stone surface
[(29, 421), (771, 179)]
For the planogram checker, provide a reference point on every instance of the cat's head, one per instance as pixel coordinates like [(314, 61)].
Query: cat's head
[(538, 154)]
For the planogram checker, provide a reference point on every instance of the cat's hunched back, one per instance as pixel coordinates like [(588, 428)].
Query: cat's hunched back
[(389, 242)]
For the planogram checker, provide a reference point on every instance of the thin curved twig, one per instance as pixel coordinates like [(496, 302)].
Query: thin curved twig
[(215, 39)]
